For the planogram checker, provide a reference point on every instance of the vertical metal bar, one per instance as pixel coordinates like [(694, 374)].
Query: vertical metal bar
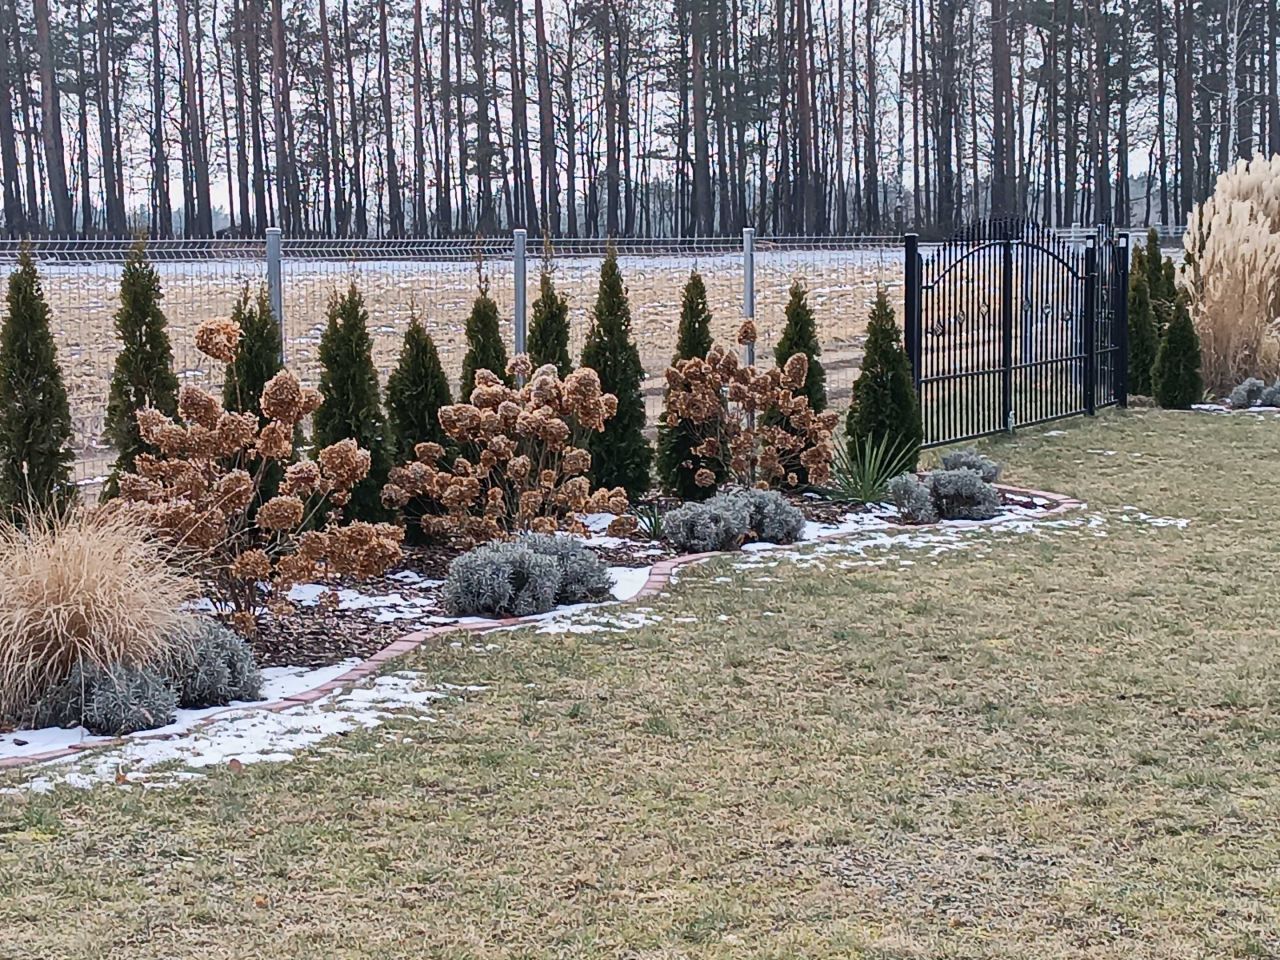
[(749, 286), (520, 264), (1090, 326), (1006, 331), (275, 282), (1120, 321), (911, 306)]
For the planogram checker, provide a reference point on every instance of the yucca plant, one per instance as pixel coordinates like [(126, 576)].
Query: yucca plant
[(862, 469), (648, 521)]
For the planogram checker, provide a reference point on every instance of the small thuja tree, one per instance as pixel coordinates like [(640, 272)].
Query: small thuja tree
[(258, 358), (678, 461), (1143, 339), (485, 349), (885, 409), (35, 419), (549, 333), (620, 454), (351, 407), (143, 374), (1176, 375), (800, 335)]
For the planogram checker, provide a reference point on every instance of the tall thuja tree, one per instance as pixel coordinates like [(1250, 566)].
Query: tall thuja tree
[(1143, 339), (885, 409), (620, 455), (416, 390), (35, 419), (351, 407), (257, 361), (549, 332), (1176, 382), (800, 335), (485, 349), (143, 374), (677, 463)]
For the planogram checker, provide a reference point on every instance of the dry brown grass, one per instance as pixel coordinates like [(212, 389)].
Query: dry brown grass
[(85, 587)]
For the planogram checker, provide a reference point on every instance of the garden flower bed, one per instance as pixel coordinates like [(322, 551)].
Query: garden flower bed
[(345, 633)]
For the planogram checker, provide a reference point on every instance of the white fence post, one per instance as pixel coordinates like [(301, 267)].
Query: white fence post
[(275, 284), (749, 286), (521, 237)]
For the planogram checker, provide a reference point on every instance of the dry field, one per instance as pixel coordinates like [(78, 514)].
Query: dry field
[(84, 297)]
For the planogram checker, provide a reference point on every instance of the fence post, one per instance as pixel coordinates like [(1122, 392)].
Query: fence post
[(749, 287), (911, 306), (275, 282), (521, 237), (1120, 319), (1090, 327), (1006, 335)]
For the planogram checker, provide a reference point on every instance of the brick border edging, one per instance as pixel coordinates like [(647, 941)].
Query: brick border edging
[(660, 576)]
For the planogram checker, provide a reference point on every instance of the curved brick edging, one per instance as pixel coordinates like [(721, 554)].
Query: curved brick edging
[(660, 576)]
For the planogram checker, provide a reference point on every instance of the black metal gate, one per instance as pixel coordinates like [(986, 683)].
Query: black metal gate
[(1009, 324)]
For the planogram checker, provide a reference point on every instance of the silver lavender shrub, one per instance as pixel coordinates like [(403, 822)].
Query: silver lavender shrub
[(1246, 394), (773, 518), (971, 459), (963, 495), (914, 498), (583, 575), (501, 580), (211, 665), (108, 701), (720, 523)]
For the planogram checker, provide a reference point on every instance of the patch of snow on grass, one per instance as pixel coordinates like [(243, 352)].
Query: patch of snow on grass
[(249, 736)]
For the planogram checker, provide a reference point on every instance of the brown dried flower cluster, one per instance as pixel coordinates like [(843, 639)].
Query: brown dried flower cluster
[(199, 490), (218, 339), (755, 422), (520, 463)]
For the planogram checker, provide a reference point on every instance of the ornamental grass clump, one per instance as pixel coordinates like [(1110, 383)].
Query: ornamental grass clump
[(197, 491), (521, 460), (755, 426), (81, 588)]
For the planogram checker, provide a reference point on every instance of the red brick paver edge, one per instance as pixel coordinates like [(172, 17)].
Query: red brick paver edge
[(660, 575)]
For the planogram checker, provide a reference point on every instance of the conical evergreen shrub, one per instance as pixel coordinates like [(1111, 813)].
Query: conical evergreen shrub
[(620, 455), (143, 374), (1143, 339), (416, 390), (351, 407), (258, 356), (35, 418), (800, 335), (1175, 376), (549, 333), (257, 361), (485, 349), (884, 407), (677, 463)]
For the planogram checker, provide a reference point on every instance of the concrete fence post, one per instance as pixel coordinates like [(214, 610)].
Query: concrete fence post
[(275, 282)]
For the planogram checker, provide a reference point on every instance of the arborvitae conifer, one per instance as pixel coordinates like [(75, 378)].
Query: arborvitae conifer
[(351, 407), (257, 357), (1176, 374), (35, 418), (416, 390), (884, 408), (549, 333), (1143, 340), (677, 463), (800, 335), (620, 456), (485, 349), (143, 374)]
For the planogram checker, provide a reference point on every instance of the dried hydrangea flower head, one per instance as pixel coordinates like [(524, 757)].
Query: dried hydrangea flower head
[(218, 339), (520, 463)]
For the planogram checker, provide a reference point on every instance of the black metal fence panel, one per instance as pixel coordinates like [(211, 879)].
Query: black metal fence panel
[(1009, 324)]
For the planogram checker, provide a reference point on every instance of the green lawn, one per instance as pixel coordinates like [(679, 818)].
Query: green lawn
[(1052, 744)]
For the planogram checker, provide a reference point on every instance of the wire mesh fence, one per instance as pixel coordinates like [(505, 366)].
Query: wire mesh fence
[(437, 280)]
